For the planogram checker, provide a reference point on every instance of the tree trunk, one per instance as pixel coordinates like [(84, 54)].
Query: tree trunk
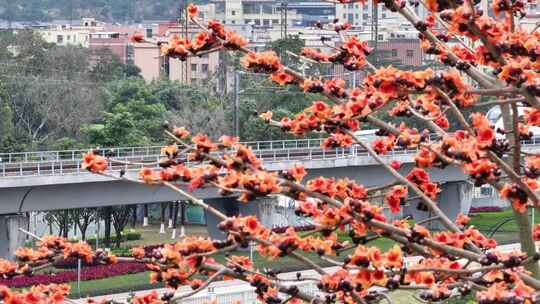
[(118, 240), (134, 218), (83, 229), (145, 215), (107, 222), (171, 211), (522, 219), (65, 221), (162, 226)]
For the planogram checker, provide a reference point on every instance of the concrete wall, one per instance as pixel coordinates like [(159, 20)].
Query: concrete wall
[(146, 58), (10, 236), (494, 201), (455, 198)]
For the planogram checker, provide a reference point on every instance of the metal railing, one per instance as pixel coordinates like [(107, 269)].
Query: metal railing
[(51, 163), (120, 152)]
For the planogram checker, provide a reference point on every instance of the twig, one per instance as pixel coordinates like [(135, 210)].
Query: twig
[(203, 286)]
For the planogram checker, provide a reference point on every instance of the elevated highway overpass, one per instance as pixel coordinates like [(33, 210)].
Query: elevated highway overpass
[(51, 180)]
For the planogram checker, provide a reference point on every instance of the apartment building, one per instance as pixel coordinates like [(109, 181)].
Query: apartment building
[(266, 13), (195, 70), (114, 41), (72, 34)]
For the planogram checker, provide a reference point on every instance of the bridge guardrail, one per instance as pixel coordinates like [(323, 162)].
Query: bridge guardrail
[(269, 151), (39, 156), (62, 167)]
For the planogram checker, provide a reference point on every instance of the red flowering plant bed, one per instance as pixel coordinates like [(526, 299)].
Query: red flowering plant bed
[(456, 261), (87, 274), (485, 209)]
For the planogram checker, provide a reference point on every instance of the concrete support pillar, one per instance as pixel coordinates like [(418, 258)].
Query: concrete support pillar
[(231, 207), (455, 198), (10, 236)]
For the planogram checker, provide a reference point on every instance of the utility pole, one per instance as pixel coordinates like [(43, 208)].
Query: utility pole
[(284, 18), (374, 23), (70, 12), (236, 103), (9, 14), (182, 18)]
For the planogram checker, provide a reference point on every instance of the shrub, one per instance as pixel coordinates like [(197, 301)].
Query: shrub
[(130, 235)]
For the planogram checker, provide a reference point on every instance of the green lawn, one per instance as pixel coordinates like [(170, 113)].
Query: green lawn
[(483, 221), (141, 280), (118, 284), (507, 232)]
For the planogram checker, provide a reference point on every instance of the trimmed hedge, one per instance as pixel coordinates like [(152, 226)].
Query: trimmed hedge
[(126, 236), (126, 251)]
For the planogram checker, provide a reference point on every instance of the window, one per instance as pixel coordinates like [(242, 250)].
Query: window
[(275, 21), (351, 5), (380, 37), (220, 7), (356, 16), (204, 68), (193, 67), (68, 37), (59, 39), (233, 21), (394, 52), (267, 9), (486, 191), (250, 8), (257, 22), (410, 53), (148, 33), (351, 18), (266, 22), (344, 16), (233, 13)]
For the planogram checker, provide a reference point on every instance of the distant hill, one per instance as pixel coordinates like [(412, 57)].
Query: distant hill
[(106, 10)]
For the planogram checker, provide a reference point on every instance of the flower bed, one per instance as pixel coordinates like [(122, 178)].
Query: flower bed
[(485, 209), (89, 273)]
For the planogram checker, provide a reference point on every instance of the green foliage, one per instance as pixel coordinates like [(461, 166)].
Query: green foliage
[(127, 235), (131, 124), (109, 10), (258, 94), (41, 83), (135, 111), (6, 124), (292, 43)]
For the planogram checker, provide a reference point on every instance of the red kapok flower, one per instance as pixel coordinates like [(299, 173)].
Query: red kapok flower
[(192, 10), (462, 219), (282, 77), (137, 37), (536, 232), (94, 163), (181, 132)]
